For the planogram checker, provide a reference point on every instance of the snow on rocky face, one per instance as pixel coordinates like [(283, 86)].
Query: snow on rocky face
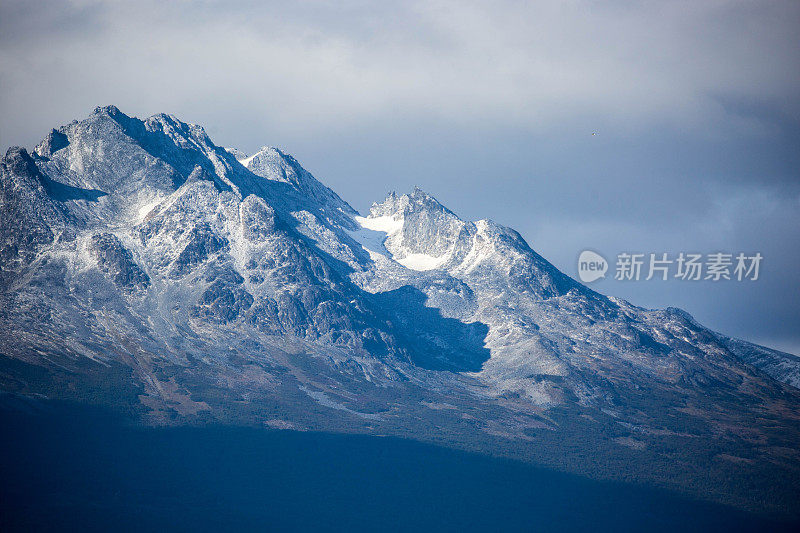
[(220, 282)]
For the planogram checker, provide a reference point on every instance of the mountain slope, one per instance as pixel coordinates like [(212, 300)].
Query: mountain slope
[(146, 269)]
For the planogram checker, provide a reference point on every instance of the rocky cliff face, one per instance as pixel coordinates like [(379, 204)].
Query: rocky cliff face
[(145, 268)]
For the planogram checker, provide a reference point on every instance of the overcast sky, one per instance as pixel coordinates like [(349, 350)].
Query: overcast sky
[(488, 106)]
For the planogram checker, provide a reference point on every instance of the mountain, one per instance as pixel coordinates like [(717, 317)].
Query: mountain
[(149, 271)]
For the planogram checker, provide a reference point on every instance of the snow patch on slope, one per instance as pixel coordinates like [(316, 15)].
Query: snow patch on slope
[(146, 208), (422, 261), (386, 224), (372, 235), (246, 160), (373, 232)]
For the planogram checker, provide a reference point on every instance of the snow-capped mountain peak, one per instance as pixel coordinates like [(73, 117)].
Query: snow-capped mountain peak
[(139, 251), (421, 233)]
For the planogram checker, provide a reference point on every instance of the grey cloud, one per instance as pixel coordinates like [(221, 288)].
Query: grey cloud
[(333, 65)]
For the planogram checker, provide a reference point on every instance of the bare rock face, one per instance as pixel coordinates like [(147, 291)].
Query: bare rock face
[(225, 287), (116, 261), (32, 219)]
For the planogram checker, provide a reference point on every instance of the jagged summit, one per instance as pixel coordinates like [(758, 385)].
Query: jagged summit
[(273, 164), (110, 110), (19, 161), (138, 163), (402, 205)]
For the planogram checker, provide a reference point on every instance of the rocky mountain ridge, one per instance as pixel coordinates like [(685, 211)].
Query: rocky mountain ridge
[(145, 268)]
